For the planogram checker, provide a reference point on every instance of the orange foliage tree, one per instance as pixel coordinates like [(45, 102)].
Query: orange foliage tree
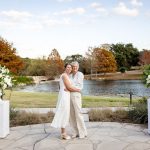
[(144, 58), (102, 60), (8, 56), (55, 64)]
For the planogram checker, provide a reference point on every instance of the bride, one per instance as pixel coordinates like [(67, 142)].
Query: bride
[(61, 118)]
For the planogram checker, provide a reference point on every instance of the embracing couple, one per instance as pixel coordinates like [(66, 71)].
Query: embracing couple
[(68, 109)]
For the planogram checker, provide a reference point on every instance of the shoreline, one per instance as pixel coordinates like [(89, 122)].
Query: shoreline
[(128, 75)]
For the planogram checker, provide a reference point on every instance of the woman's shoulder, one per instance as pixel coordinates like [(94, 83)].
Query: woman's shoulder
[(64, 75)]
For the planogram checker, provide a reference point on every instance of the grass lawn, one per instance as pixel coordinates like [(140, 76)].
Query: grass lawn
[(48, 100)]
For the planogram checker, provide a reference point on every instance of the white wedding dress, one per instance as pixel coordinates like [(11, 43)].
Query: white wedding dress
[(61, 118)]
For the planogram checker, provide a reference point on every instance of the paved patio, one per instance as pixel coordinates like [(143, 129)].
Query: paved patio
[(101, 136)]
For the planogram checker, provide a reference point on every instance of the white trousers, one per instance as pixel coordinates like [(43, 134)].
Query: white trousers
[(76, 117)]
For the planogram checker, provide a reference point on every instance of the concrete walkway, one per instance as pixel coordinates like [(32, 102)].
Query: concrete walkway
[(101, 136)]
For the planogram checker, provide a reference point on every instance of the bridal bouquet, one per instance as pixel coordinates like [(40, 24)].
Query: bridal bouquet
[(5, 80), (146, 75)]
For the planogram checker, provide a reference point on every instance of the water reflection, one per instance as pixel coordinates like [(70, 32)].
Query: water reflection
[(96, 87)]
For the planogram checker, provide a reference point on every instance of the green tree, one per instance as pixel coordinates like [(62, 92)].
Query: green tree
[(37, 67), (79, 58), (27, 64), (8, 56), (125, 54)]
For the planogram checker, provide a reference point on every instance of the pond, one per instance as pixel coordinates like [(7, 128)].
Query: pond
[(104, 87)]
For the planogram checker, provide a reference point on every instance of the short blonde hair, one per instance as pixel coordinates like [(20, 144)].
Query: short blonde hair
[(74, 63)]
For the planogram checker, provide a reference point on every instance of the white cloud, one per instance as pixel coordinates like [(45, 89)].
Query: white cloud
[(16, 15), (71, 11), (122, 9), (95, 5), (147, 13), (27, 21), (19, 19), (64, 0), (99, 8), (7, 24), (136, 3), (55, 22)]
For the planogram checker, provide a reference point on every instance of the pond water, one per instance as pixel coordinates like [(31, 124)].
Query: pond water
[(107, 87)]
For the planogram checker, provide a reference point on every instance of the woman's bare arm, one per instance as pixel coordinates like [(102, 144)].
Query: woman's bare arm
[(68, 84)]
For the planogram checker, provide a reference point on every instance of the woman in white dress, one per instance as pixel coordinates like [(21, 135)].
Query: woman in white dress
[(61, 118)]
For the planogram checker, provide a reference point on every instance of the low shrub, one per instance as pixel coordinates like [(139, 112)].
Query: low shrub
[(22, 80), (108, 115), (13, 113), (122, 69), (138, 113), (23, 118)]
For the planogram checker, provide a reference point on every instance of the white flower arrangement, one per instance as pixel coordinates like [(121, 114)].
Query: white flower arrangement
[(146, 75), (5, 80), (148, 80)]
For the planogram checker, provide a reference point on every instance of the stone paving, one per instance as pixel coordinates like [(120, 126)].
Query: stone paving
[(101, 136)]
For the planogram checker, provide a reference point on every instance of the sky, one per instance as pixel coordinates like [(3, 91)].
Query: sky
[(35, 27)]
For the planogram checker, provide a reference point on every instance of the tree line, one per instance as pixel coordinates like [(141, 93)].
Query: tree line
[(101, 59)]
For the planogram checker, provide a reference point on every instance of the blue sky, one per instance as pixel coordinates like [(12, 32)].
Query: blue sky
[(35, 27)]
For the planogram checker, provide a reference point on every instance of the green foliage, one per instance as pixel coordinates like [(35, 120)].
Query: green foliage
[(34, 67), (125, 54), (22, 80), (122, 69), (72, 58), (138, 113), (13, 113), (37, 67), (25, 70), (80, 59)]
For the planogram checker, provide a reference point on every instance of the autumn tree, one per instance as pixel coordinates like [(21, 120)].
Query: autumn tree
[(105, 60), (144, 58), (8, 56), (125, 54), (101, 60), (55, 64)]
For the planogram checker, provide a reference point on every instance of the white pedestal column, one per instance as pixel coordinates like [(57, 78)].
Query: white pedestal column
[(148, 115), (4, 118)]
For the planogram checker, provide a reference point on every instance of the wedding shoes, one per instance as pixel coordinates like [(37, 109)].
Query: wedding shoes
[(75, 136), (64, 136)]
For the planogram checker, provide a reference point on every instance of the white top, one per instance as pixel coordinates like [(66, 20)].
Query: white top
[(77, 80)]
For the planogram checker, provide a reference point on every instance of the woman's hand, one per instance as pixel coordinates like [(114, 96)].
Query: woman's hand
[(66, 90), (79, 90)]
